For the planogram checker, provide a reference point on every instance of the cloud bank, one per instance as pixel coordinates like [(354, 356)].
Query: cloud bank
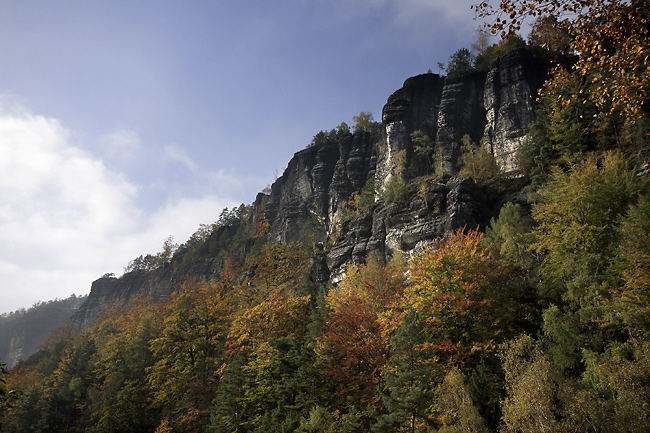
[(66, 218)]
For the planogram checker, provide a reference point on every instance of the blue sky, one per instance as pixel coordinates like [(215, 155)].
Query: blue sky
[(125, 122)]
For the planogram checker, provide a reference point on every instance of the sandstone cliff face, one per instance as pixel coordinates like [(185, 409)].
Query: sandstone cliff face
[(306, 203), (414, 107), (509, 99), (316, 184), (496, 106), (110, 291), (390, 229)]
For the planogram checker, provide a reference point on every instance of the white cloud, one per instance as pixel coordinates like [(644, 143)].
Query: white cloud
[(121, 145), (182, 217), (66, 218), (173, 154)]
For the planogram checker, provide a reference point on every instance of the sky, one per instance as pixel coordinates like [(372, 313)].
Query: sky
[(125, 122)]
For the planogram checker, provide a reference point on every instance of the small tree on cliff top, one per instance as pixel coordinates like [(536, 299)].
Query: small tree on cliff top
[(364, 122)]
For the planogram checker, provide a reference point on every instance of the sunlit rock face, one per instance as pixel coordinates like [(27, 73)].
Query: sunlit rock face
[(413, 107), (307, 203), (509, 98)]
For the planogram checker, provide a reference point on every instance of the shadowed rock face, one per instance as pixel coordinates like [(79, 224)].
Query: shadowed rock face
[(443, 207), (494, 106), (306, 203), (414, 107), (104, 292), (316, 184)]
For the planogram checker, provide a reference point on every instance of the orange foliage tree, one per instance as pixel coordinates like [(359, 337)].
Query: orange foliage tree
[(274, 269), (611, 36), (353, 346), (462, 293)]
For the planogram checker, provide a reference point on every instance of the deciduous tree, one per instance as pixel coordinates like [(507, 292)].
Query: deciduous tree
[(611, 36), (577, 219), (353, 344), (477, 162), (461, 291), (532, 386)]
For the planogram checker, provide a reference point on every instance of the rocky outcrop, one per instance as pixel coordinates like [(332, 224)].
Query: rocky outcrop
[(413, 107), (509, 98), (493, 107), (308, 202), (310, 195), (157, 284), (441, 207)]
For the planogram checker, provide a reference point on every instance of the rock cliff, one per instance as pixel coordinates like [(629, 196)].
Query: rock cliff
[(509, 99), (23, 332), (308, 202), (494, 107)]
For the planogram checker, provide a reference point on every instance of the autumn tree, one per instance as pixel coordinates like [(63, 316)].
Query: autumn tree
[(510, 236), (280, 315), (490, 53), (6, 395), (270, 270), (616, 389), (227, 410), (268, 381), (578, 216), (460, 61), (396, 189), (424, 147), (187, 354), (481, 42), (577, 236), (267, 365), (353, 344), (120, 402), (64, 403), (360, 201), (458, 412), (321, 420), (409, 379), (459, 306), (460, 290), (612, 37), (631, 301), (531, 385), (547, 34)]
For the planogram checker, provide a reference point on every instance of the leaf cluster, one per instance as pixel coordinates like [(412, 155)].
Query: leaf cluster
[(611, 37)]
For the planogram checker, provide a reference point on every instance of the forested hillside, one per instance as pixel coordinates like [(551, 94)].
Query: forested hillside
[(535, 319)]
